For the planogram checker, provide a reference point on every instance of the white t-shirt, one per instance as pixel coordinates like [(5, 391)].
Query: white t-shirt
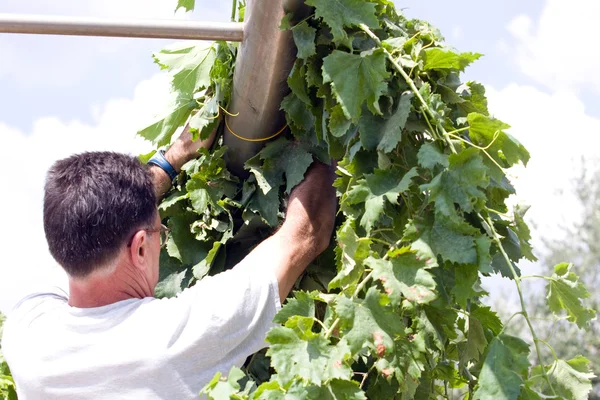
[(140, 348)]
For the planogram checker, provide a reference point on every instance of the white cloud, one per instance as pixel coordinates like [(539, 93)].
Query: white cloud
[(38, 61), (96, 8), (553, 124), (558, 134), (558, 51), (457, 32), (25, 260)]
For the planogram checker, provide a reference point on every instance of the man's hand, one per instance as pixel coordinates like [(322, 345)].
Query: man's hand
[(306, 232), (308, 225), (183, 150), (312, 206)]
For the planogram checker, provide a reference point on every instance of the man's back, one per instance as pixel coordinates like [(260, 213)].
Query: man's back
[(140, 348)]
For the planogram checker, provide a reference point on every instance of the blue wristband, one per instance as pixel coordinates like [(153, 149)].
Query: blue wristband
[(160, 161)]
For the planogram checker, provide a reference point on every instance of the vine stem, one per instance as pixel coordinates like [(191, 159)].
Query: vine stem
[(551, 349), (317, 320), (233, 9), (411, 84), (360, 287), (362, 284), (488, 221), (537, 277), (372, 239), (510, 319), (517, 280), (332, 328)]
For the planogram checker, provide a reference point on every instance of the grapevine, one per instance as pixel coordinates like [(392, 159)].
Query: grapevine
[(393, 309)]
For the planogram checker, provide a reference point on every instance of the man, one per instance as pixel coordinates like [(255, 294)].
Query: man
[(110, 338)]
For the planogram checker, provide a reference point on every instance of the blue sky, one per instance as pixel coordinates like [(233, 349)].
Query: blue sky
[(89, 71), (60, 95)]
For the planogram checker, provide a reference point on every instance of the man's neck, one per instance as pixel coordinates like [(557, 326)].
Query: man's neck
[(102, 289)]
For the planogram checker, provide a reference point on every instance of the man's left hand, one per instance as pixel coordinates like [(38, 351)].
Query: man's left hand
[(181, 151)]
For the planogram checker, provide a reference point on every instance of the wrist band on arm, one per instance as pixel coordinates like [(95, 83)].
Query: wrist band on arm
[(160, 161)]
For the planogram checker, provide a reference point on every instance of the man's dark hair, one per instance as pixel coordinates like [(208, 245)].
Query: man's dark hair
[(93, 203)]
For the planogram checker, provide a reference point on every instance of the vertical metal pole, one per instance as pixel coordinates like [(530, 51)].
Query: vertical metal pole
[(264, 61)]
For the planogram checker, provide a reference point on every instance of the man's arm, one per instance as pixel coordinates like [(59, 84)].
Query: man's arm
[(182, 151), (307, 229)]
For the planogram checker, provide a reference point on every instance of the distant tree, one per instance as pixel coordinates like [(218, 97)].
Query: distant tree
[(581, 246)]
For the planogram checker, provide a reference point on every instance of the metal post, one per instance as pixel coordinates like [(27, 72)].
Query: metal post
[(263, 64), (163, 29)]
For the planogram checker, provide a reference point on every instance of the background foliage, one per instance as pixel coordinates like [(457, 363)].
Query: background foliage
[(579, 244), (7, 384)]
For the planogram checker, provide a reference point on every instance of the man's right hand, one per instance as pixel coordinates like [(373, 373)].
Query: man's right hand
[(312, 207)]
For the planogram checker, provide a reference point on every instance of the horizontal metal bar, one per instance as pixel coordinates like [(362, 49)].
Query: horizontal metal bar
[(162, 29)]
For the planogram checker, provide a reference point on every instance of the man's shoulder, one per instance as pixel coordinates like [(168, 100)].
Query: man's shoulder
[(25, 313), (35, 304), (40, 296)]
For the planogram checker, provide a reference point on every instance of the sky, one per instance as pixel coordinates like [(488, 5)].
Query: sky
[(63, 95)]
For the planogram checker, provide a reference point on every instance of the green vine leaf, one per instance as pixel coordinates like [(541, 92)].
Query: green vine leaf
[(170, 285), (335, 390), (488, 318), (378, 133), (182, 244), (189, 66), (504, 149), (430, 156), (405, 276), (375, 188), (476, 341), (265, 205), (344, 13), (356, 79), (523, 232), (436, 58), (368, 323), (565, 294), (452, 240), (299, 305), (307, 355), (504, 369), (299, 118), (297, 83), (161, 131), (201, 269), (465, 276), (304, 38), (222, 389), (571, 379), (283, 157), (187, 5), (462, 183), (350, 254)]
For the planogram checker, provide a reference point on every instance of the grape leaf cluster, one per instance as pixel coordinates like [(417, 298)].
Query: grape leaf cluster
[(393, 309)]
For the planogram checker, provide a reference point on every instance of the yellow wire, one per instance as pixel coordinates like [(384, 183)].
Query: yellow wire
[(254, 140)]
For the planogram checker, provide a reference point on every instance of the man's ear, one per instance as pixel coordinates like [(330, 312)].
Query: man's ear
[(139, 249)]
